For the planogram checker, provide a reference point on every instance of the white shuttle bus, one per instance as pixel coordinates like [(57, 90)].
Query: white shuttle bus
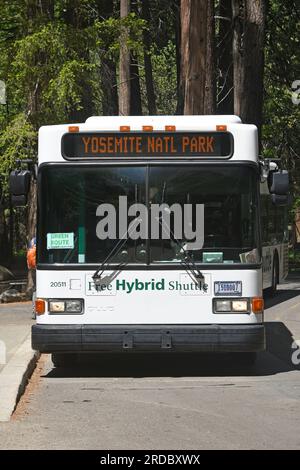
[(149, 236)]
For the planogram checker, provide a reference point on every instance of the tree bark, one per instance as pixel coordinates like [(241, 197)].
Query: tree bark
[(135, 89), (108, 73), (180, 98), (147, 60), (109, 88), (124, 72), (224, 59), (210, 83), (248, 59), (75, 19), (38, 12), (194, 39)]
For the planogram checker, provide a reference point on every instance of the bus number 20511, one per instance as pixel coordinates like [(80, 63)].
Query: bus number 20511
[(58, 284)]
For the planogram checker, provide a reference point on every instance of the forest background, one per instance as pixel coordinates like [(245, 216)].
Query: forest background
[(62, 61)]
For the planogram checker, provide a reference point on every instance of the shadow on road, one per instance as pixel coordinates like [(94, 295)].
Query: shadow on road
[(276, 359), (281, 344), (280, 297)]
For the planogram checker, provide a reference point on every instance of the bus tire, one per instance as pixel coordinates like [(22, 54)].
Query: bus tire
[(64, 359), (275, 275)]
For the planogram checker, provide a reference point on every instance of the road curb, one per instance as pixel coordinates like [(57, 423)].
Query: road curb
[(14, 377)]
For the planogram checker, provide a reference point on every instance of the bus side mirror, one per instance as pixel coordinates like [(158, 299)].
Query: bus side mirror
[(279, 182), (19, 184)]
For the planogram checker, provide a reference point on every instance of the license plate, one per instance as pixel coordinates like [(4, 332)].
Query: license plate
[(228, 288)]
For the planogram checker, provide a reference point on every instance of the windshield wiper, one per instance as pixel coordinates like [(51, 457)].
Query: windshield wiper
[(187, 261), (97, 276)]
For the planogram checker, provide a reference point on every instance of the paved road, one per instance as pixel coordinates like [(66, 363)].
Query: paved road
[(168, 403)]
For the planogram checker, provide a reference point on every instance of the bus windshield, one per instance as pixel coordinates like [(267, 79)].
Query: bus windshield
[(155, 213)]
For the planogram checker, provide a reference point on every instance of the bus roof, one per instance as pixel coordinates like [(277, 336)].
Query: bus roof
[(159, 122), (245, 140)]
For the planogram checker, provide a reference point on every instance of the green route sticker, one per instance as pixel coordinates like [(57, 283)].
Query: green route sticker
[(60, 241)]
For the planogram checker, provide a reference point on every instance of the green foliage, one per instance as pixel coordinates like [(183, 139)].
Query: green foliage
[(47, 67), (107, 34), (17, 142), (64, 91), (52, 67), (49, 72), (282, 116), (164, 71)]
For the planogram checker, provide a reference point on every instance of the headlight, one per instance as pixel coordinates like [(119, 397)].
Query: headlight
[(240, 305), (56, 306), (222, 305), (231, 305), (66, 306), (74, 306)]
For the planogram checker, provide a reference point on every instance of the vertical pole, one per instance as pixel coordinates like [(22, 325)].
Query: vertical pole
[(81, 244), (81, 225)]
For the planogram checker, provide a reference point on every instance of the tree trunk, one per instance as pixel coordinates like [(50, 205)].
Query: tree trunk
[(108, 73), (224, 59), (109, 88), (39, 12), (147, 60), (180, 103), (194, 39), (47, 8), (210, 84), (74, 18), (135, 89), (124, 73), (248, 59)]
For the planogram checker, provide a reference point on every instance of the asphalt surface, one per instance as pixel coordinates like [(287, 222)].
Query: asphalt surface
[(193, 402)]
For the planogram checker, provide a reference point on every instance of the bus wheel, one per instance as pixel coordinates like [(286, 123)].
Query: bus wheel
[(246, 359), (275, 276), (64, 360)]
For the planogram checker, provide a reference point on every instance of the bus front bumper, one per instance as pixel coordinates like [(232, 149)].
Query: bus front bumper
[(151, 338)]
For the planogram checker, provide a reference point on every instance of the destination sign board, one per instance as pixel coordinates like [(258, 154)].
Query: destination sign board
[(82, 145)]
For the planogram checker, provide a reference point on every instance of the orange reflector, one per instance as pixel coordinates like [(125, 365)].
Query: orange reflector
[(221, 128), (170, 128), (257, 305), (73, 129), (40, 306), (124, 128), (147, 128)]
